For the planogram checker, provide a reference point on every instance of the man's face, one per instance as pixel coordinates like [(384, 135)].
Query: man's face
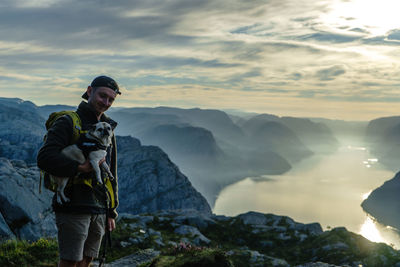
[(101, 98)]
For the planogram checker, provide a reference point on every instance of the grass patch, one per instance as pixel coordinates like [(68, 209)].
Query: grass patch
[(41, 253), (193, 257)]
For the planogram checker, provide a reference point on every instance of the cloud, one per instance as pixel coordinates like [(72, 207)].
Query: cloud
[(331, 73), (394, 35), (329, 37), (359, 30), (277, 49), (295, 76), (247, 29)]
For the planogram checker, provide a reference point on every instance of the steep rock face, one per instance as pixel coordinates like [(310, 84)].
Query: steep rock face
[(136, 124), (275, 136), (184, 140), (26, 212), (317, 136), (149, 181), (21, 129), (384, 202), (383, 137), (293, 138), (377, 128)]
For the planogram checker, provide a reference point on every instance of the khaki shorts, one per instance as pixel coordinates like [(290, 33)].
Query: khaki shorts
[(79, 235)]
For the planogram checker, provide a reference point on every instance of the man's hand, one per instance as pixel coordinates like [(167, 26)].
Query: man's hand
[(111, 224), (87, 167)]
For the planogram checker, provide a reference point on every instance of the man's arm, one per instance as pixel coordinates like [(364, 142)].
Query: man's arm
[(50, 157)]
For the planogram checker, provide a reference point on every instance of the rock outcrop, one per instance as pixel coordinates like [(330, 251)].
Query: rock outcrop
[(21, 129), (384, 202), (250, 239), (149, 181), (27, 213)]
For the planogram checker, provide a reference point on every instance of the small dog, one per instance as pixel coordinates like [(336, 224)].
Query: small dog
[(94, 145)]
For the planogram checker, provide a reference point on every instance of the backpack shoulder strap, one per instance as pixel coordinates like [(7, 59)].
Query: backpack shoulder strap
[(76, 122), (76, 126)]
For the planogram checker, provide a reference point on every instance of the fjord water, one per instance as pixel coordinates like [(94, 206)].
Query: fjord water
[(325, 188)]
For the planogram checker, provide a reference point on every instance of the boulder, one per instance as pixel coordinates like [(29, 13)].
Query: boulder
[(23, 208), (191, 231), (200, 221), (253, 218), (5, 231)]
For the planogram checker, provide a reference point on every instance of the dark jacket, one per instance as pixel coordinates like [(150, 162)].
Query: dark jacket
[(84, 198)]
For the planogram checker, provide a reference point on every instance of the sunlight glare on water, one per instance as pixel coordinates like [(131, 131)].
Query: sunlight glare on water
[(327, 189), (370, 231)]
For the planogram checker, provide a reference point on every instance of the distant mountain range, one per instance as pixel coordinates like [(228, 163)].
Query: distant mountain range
[(215, 149)]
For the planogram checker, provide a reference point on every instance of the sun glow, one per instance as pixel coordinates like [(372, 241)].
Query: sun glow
[(370, 231), (371, 17)]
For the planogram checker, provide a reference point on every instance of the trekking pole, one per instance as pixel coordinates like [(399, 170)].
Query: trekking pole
[(103, 257), (107, 238)]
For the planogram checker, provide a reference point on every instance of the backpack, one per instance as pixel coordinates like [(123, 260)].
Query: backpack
[(47, 179)]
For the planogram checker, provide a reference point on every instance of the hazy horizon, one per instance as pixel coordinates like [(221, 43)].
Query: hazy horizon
[(235, 112)]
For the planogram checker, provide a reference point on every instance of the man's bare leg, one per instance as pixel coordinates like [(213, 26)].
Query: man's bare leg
[(67, 263), (85, 262)]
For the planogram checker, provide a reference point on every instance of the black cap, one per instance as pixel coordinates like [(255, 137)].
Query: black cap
[(103, 81)]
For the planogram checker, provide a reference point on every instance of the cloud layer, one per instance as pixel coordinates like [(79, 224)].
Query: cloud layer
[(264, 56)]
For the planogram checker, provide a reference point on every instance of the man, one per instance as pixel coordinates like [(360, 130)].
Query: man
[(81, 222)]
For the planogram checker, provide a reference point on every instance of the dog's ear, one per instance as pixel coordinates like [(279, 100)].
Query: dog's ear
[(92, 127), (113, 124)]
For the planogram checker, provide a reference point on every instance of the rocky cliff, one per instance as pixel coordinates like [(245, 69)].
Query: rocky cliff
[(251, 239), (383, 137), (27, 214), (149, 181), (384, 202), (21, 129), (293, 138)]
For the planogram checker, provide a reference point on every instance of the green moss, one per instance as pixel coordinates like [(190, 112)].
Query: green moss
[(358, 249), (193, 258), (43, 252), (121, 234)]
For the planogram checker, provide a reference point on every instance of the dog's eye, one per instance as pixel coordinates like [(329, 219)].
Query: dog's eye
[(100, 129)]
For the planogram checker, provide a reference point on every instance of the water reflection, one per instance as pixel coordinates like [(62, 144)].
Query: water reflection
[(370, 231), (327, 189), (369, 162), (376, 232)]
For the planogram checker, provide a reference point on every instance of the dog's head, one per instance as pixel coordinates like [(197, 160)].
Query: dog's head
[(102, 131)]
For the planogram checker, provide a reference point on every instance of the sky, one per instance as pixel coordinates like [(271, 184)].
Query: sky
[(309, 58)]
